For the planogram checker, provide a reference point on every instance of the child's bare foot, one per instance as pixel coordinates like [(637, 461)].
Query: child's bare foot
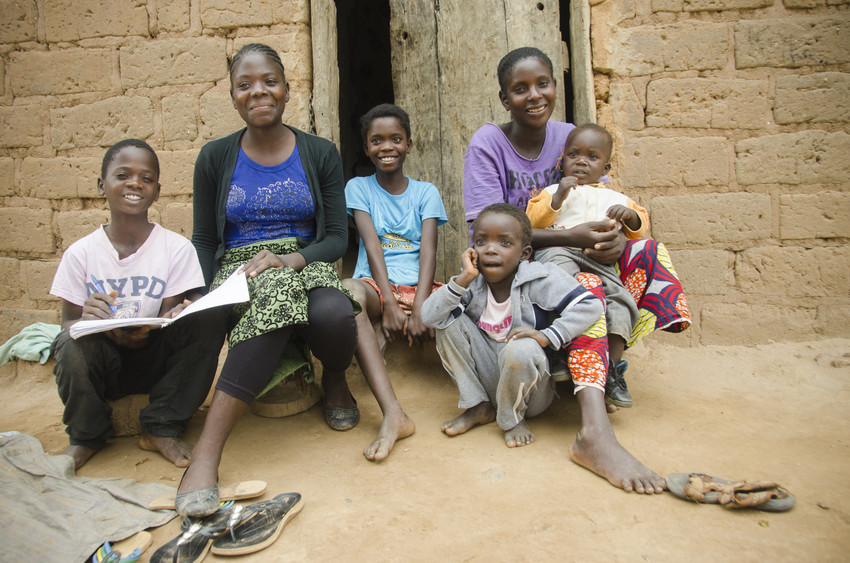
[(519, 435), (174, 450), (611, 408), (597, 449), (395, 426), (482, 413), (81, 454)]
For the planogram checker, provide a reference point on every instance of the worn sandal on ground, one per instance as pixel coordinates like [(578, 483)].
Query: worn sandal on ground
[(702, 488), (261, 524), (238, 491), (342, 418), (194, 543)]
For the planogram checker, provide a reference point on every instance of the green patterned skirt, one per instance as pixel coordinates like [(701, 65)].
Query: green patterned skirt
[(278, 298)]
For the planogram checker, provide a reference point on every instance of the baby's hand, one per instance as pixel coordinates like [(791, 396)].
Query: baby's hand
[(528, 332), (624, 215), (566, 184), (469, 267)]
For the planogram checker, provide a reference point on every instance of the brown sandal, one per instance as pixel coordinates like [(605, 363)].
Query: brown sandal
[(702, 488)]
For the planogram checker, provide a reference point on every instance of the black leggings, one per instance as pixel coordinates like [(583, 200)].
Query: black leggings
[(331, 334)]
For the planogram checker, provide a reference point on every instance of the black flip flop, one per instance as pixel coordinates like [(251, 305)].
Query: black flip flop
[(261, 525), (194, 543)]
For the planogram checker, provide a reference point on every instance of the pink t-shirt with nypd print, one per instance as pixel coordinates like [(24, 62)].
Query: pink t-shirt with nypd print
[(164, 266)]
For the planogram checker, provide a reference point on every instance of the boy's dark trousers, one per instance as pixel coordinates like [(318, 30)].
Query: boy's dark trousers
[(176, 369)]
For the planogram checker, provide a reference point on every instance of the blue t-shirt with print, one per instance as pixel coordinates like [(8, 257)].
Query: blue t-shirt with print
[(398, 223)]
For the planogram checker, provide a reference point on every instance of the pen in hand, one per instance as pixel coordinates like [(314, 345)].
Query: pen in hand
[(100, 289)]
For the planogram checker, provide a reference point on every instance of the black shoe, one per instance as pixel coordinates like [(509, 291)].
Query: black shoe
[(558, 369), (616, 390)]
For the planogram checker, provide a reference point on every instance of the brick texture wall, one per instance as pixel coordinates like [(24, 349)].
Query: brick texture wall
[(730, 120)]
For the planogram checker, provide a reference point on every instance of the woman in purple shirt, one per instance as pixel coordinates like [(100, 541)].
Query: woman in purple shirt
[(512, 163)]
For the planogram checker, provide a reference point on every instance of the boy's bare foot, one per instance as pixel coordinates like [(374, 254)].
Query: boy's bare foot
[(611, 408), (395, 426), (81, 454), (174, 450), (519, 435), (482, 413), (597, 449)]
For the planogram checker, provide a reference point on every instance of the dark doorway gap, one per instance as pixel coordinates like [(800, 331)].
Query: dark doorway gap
[(567, 84)]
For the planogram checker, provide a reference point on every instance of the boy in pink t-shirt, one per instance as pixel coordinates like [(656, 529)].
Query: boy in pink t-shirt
[(133, 268)]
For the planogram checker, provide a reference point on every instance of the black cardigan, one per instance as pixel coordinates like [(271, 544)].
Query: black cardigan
[(214, 170)]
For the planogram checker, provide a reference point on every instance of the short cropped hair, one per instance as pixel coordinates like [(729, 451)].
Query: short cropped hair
[(261, 48), (384, 110), (609, 140), (513, 211), (113, 151), (506, 65)]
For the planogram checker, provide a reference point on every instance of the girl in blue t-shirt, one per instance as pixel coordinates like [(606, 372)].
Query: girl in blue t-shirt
[(397, 219)]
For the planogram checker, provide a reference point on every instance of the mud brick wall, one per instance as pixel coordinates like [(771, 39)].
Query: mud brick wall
[(730, 120)]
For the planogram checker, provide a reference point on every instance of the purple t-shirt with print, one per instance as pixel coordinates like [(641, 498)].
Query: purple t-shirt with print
[(495, 172)]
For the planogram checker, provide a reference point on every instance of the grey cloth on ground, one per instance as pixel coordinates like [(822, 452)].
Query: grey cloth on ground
[(512, 376), (49, 514), (621, 311)]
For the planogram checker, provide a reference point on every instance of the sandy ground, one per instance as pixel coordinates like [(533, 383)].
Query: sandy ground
[(773, 412)]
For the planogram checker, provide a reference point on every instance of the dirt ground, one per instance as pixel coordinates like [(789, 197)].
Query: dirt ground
[(772, 412)]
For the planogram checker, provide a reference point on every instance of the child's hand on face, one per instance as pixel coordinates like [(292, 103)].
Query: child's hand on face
[(99, 306), (393, 321), (625, 215), (528, 332), (417, 332), (566, 184), (469, 267)]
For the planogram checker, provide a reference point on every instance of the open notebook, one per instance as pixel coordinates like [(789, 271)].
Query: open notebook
[(233, 290)]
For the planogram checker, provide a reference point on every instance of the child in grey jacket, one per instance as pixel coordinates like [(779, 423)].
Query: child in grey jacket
[(494, 322), (496, 318)]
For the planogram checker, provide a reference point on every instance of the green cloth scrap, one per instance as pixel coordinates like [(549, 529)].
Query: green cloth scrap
[(31, 344)]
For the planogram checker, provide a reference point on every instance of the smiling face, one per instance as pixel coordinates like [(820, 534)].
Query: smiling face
[(586, 156), (529, 92), (387, 144), (259, 90), (131, 183), (498, 241)]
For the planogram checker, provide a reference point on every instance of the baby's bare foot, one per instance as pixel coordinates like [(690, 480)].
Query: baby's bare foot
[(519, 435), (482, 413), (174, 450), (598, 450), (395, 426), (81, 454)]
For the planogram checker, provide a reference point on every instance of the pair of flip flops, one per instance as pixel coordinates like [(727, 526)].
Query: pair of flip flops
[(702, 488), (233, 530)]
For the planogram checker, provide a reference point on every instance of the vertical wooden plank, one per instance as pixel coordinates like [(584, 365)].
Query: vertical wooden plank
[(325, 102), (471, 38), (584, 104)]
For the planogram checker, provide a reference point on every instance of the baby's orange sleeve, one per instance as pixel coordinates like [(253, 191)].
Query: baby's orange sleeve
[(540, 212), (644, 221)]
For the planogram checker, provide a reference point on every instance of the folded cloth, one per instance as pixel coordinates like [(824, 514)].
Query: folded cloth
[(49, 514), (32, 343)]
